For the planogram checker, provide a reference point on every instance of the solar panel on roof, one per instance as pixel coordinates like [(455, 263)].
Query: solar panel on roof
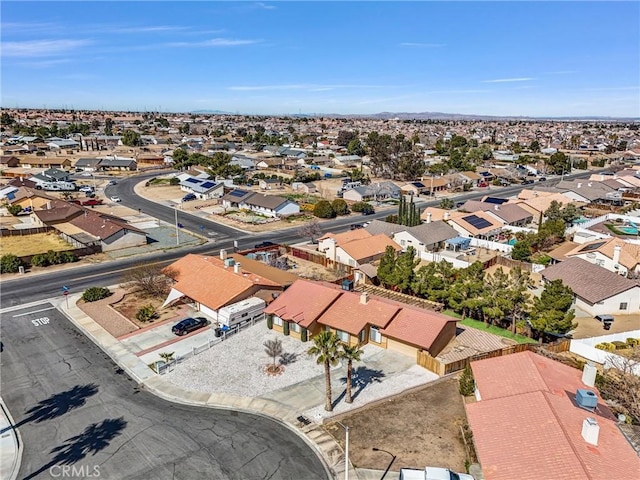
[(208, 184), (495, 200), (237, 193), (193, 180), (593, 246), (477, 222)]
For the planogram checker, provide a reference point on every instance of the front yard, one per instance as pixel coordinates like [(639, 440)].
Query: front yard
[(22, 245)]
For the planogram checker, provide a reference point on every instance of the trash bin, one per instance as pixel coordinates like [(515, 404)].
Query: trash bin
[(218, 332), (607, 324)]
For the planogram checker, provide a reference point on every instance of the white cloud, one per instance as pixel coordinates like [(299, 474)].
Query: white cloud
[(45, 63), (265, 6), (214, 42), (422, 45), (147, 29), (508, 80), (311, 88), (41, 48)]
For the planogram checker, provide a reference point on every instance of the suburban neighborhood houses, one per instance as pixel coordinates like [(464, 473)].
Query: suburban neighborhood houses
[(334, 270)]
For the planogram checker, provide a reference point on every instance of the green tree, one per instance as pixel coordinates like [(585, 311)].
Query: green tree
[(6, 120), (496, 303), (466, 382), (14, 209), (131, 138), (466, 295), (180, 158), (386, 267), (323, 209), (552, 311), (108, 126), (10, 263), (522, 251), (340, 207), (325, 348), (350, 353), (534, 146), (355, 147), (432, 281), (363, 207), (518, 295), (404, 270), (447, 204), (559, 163)]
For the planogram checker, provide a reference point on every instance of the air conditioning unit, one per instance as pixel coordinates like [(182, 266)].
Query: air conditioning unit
[(586, 399)]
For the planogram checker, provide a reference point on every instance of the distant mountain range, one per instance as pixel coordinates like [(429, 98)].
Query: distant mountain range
[(435, 116)]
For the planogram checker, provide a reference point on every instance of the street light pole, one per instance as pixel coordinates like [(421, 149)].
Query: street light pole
[(346, 450), (393, 459), (177, 229)]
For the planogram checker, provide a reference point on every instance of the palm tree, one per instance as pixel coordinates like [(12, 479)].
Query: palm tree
[(325, 347), (350, 353)]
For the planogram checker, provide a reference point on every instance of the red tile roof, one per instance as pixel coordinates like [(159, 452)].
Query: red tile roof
[(206, 280), (527, 425), (328, 304)]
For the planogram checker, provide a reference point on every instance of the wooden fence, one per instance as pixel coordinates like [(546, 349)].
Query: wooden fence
[(5, 232), (434, 365)]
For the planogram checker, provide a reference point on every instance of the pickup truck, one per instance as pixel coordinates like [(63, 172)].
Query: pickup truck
[(432, 473)]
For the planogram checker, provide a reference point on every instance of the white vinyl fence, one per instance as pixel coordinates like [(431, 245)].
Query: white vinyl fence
[(163, 368)]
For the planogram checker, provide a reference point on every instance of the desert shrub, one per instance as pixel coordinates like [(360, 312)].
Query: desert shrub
[(362, 207), (174, 181), (619, 345), (633, 342), (606, 346), (466, 383), (14, 209), (146, 313), (340, 207), (93, 294), (40, 260), (67, 257), (10, 263), (323, 209)]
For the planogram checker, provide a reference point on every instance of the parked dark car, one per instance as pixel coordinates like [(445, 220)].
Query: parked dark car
[(355, 226), (188, 197), (527, 182), (189, 325), (264, 244), (542, 179)]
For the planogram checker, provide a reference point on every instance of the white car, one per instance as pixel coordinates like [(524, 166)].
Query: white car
[(116, 199), (86, 188), (432, 473)]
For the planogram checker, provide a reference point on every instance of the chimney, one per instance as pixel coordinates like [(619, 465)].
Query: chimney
[(428, 217), (616, 254), (579, 185), (445, 217), (236, 268), (589, 184), (364, 298), (223, 254), (590, 430), (589, 374)]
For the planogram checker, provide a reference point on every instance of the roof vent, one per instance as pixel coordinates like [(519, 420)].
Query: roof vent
[(229, 262), (590, 430), (586, 399), (236, 268)]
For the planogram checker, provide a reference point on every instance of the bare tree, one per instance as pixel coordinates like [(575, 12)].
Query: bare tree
[(150, 279), (310, 229), (620, 383), (273, 348)]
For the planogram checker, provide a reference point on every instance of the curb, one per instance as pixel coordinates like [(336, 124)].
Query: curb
[(333, 463), (17, 438)]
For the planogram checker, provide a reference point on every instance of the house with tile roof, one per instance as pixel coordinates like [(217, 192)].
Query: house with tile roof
[(9, 161), (308, 307), (355, 247), (528, 425), (537, 202), (212, 283), (614, 254), (596, 289)]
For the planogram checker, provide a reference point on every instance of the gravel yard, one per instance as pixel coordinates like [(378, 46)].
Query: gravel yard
[(236, 366)]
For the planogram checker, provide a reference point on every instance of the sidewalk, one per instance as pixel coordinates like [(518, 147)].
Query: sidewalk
[(10, 445), (328, 449)]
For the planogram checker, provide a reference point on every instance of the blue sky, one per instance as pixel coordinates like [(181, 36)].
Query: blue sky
[(493, 58)]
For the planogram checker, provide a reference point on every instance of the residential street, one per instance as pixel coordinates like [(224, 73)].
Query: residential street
[(73, 406)]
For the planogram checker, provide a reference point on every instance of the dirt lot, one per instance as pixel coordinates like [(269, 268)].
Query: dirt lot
[(22, 245), (421, 427), (132, 302)]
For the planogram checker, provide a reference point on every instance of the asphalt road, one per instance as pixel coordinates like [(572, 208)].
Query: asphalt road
[(75, 408)]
